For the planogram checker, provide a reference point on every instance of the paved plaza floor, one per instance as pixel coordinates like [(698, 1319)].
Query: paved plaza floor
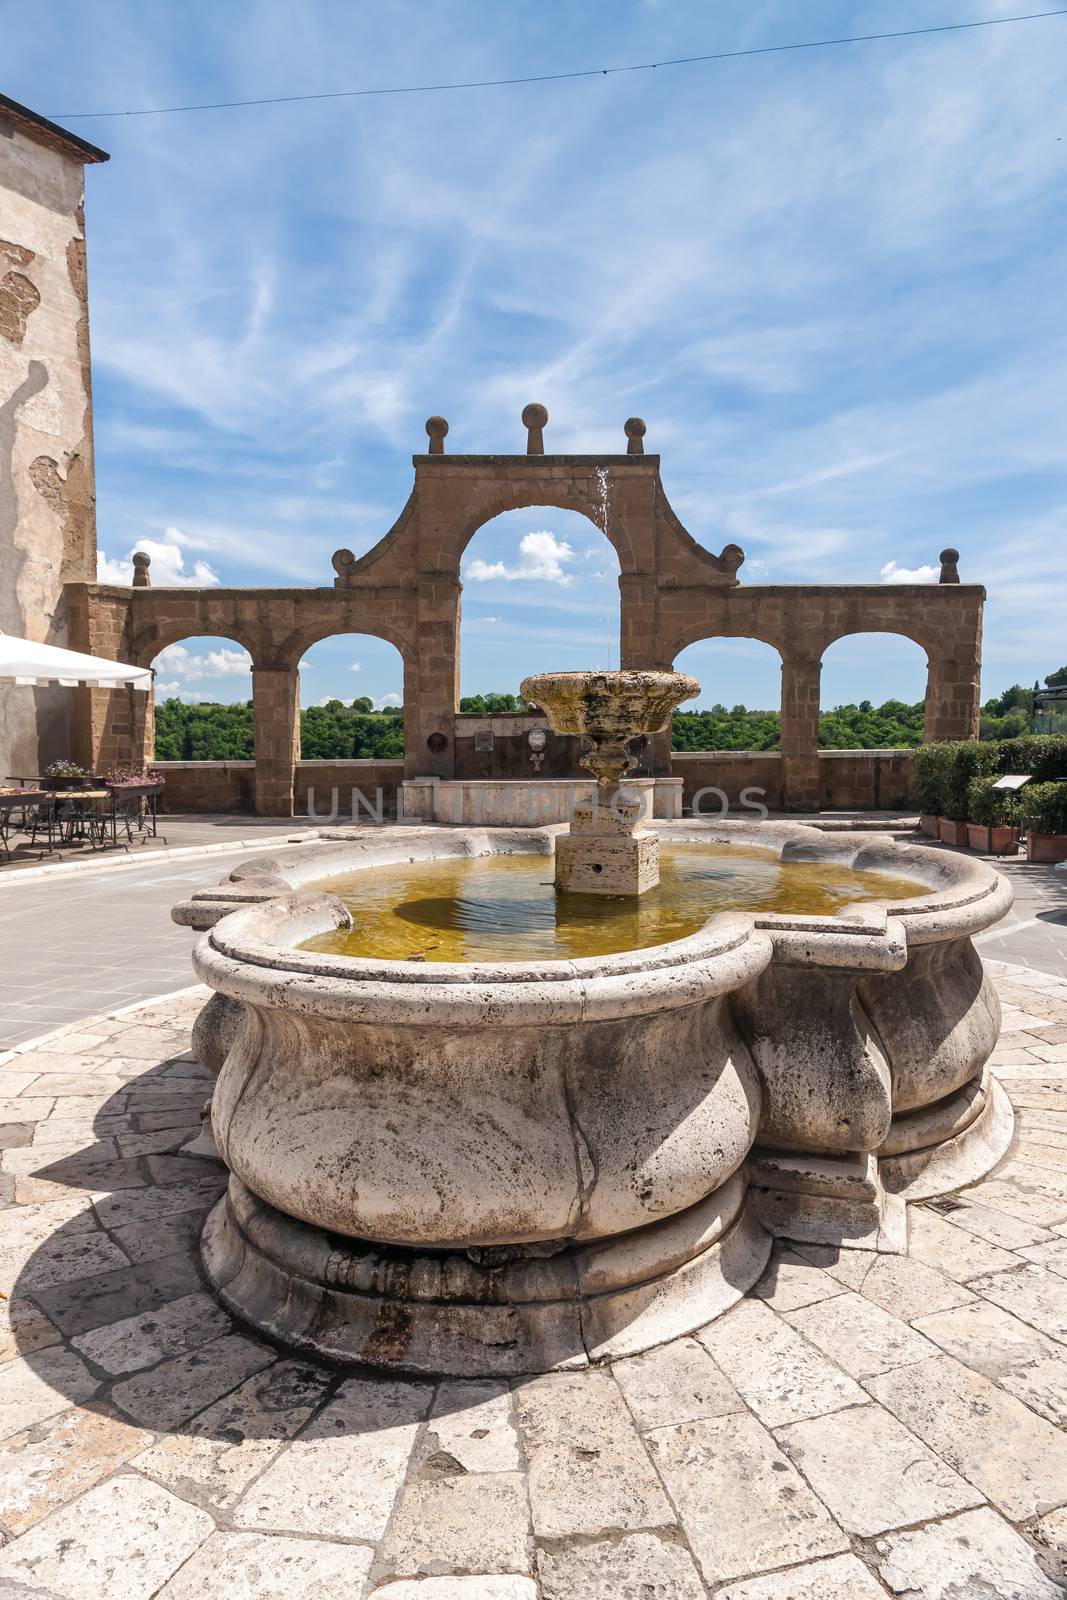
[(857, 1426)]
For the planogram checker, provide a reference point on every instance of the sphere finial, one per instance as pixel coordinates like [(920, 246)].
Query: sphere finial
[(950, 572), (141, 563), (634, 428), (534, 420), (436, 428)]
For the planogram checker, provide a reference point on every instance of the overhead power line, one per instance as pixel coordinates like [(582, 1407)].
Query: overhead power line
[(560, 77)]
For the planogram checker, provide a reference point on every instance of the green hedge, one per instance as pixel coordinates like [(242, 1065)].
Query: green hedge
[(992, 808), (945, 771), (1044, 807), (949, 777), (1042, 755)]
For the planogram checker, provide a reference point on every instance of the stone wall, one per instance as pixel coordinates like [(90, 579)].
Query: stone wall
[(376, 781), (848, 780), (211, 786), (47, 503), (499, 747), (225, 786), (867, 780), (732, 771)]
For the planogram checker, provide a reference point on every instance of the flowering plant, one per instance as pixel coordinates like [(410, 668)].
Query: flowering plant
[(65, 769), (127, 777)]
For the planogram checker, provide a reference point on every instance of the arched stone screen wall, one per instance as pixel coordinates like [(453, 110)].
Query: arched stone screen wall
[(406, 589)]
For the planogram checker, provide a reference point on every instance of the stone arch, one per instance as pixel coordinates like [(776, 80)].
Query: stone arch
[(352, 689), (556, 496), (154, 637), (920, 633), (507, 593), (330, 760), (951, 696), (289, 650), (855, 768), (239, 737), (725, 627)]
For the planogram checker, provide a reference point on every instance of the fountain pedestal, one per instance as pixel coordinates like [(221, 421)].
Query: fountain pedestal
[(608, 850)]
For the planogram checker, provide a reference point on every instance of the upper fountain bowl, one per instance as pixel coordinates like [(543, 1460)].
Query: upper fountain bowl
[(608, 706)]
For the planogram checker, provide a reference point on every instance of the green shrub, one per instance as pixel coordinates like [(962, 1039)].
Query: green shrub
[(931, 771), (963, 759), (992, 808), (1044, 807)]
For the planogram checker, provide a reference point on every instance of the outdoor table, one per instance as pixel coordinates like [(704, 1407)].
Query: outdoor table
[(41, 802), (81, 815), (95, 815), (134, 806)]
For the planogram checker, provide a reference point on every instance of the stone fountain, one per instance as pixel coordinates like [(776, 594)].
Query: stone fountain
[(608, 849), (504, 1167)]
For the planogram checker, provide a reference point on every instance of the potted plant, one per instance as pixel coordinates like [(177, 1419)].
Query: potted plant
[(992, 818), (965, 759), (929, 784), (65, 775), (1044, 816)]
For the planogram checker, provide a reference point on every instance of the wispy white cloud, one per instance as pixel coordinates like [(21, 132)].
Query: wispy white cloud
[(541, 559)]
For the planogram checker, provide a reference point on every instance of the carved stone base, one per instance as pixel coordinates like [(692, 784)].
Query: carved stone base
[(959, 1160), (859, 1201), (607, 850), (607, 863), (837, 1200), (498, 1312)]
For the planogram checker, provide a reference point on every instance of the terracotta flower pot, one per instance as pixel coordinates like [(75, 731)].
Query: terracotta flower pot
[(978, 836), (953, 832), (1004, 839), (1046, 847), (929, 825)]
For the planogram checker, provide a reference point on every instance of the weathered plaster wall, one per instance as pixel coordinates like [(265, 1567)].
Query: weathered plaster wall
[(47, 510)]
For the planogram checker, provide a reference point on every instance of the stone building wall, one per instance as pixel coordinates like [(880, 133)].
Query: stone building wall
[(47, 491)]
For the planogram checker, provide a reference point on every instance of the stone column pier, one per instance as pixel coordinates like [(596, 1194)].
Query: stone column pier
[(276, 721), (800, 733), (953, 699)]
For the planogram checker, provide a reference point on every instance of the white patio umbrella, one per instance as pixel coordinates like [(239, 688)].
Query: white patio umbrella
[(23, 661)]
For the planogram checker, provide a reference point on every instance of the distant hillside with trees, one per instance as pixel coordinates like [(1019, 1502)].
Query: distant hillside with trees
[(335, 731)]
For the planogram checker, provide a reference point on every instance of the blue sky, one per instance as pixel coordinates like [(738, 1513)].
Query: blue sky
[(832, 283)]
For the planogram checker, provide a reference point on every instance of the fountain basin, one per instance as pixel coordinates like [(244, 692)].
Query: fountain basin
[(500, 1168)]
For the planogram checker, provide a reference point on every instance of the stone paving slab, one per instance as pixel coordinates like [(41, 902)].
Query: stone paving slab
[(858, 1425)]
